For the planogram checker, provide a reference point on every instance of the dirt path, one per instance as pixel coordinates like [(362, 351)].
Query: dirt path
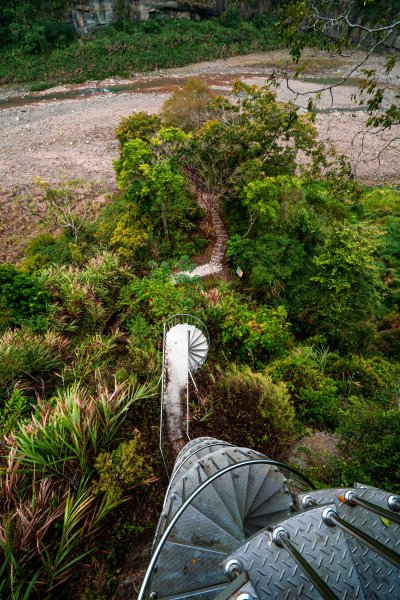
[(216, 263), (54, 138)]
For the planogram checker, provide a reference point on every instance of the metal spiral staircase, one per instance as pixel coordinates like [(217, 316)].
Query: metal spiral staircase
[(238, 525)]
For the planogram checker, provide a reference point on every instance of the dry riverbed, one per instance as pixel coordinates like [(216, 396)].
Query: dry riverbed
[(68, 132)]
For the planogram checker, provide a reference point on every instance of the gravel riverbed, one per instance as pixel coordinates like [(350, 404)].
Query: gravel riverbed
[(72, 138)]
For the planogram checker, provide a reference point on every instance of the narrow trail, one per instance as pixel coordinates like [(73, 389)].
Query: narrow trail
[(216, 262)]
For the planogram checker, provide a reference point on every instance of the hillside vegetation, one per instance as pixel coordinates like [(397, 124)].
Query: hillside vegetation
[(52, 53), (306, 341)]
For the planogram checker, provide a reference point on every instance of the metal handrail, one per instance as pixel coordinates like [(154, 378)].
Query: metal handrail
[(162, 407), (196, 492), (176, 471)]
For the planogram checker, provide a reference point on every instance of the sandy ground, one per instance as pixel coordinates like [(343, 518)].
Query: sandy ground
[(72, 138)]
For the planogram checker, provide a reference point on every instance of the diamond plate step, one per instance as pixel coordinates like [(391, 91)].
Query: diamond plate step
[(197, 566), (274, 573)]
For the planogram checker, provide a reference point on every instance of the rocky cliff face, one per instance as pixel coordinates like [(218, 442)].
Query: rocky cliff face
[(91, 14)]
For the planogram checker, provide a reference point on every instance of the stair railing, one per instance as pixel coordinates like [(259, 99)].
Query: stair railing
[(185, 318), (161, 445)]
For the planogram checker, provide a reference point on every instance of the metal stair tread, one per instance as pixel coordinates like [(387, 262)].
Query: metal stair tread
[(270, 505), (271, 484), (194, 457), (209, 503), (224, 486), (275, 574), (202, 523), (201, 345), (198, 568), (195, 353)]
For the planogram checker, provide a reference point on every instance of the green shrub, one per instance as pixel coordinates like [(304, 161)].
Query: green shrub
[(41, 36), (313, 394), (249, 410), (93, 357), (144, 46), (22, 297), (252, 334), (372, 378), (16, 408), (370, 445), (84, 297), (46, 249), (48, 506), (64, 441), (230, 17), (28, 359), (123, 469), (154, 298)]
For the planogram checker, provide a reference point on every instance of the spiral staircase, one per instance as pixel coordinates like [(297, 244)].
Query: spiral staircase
[(238, 525), (185, 348)]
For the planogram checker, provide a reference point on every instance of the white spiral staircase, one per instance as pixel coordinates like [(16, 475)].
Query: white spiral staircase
[(185, 348)]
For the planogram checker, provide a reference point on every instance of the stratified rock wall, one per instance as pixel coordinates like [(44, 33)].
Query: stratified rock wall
[(91, 14)]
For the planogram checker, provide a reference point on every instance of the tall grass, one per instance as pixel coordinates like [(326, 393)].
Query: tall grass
[(64, 440)]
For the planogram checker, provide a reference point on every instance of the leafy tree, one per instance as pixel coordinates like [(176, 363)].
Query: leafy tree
[(155, 198), (188, 106), (256, 136), (342, 27), (140, 125), (275, 241), (345, 294), (68, 207)]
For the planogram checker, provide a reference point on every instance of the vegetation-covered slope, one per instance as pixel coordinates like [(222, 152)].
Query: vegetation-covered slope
[(305, 341), (58, 56)]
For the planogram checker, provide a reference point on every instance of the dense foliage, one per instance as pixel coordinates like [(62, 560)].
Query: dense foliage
[(46, 55), (307, 340)]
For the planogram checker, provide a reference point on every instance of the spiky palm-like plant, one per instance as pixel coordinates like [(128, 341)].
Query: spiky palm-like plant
[(49, 510)]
